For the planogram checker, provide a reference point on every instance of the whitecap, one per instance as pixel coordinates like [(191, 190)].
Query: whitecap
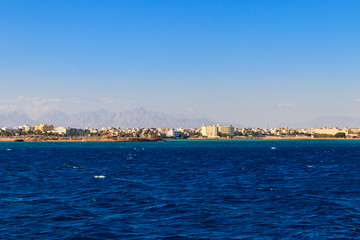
[(8, 149), (100, 176), (273, 148)]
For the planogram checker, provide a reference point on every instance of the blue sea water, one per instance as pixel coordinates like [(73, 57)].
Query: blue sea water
[(181, 189)]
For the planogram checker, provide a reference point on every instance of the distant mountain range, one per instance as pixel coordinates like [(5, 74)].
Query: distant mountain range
[(141, 117), (135, 118), (14, 119), (331, 121)]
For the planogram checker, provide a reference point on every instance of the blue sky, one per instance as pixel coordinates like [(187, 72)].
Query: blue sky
[(249, 62)]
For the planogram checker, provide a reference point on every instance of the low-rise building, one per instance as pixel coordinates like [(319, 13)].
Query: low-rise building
[(9, 129), (26, 128), (330, 131), (173, 133), (70, 131), (44, 128)]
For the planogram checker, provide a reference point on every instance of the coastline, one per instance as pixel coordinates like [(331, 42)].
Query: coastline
[(274, 138), (85, 139), (18, 139)]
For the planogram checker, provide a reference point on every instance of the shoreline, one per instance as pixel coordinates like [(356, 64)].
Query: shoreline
[(21, 140), (274, 138)]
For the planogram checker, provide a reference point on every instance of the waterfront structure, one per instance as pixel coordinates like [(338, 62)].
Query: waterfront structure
[(44, 128), (26, 128), (214, 131), (209, 131), (330, 131), (226, 131), (217, 130), (173, 133), (70, 131), (9, 129), (61, 130)]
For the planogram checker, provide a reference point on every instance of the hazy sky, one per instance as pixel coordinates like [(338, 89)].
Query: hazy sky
[(245, 62)]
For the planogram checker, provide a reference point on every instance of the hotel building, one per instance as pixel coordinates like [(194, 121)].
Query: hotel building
[(217, 130)]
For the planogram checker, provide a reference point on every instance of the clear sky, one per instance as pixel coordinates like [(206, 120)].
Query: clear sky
[(249, 62)]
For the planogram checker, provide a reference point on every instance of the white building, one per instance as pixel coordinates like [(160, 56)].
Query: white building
[(9, 129), (70, 131), (26, 128), (173, 133), (209, 131)]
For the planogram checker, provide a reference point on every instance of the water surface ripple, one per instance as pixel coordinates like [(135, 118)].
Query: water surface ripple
[(214, 189)]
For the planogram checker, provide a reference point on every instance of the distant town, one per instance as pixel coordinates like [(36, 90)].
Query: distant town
[(47, 132)]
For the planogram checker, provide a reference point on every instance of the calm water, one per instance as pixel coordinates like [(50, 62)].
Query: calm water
[(215, 189)]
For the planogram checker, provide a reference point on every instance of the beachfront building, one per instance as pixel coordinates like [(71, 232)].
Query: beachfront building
[(217, 130), (26, 128), (71, 131), (209, 131), (173, 133), (330, 131), (9, 129), (61, 130), (44, 128), (226, 131)]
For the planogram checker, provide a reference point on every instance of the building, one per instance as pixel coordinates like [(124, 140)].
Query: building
[(330, 131), (70, 131), (43, 128), (26, 128), (209, 131), (217, 130), (62, 130), (226, 131), (9, 129), (173, 133)]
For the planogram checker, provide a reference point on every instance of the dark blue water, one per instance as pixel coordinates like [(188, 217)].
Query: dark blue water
[(221, 189)]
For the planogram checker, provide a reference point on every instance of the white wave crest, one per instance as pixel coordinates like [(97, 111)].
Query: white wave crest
[(100, 176)]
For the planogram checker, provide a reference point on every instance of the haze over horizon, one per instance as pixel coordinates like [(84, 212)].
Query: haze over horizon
[(249, 62)]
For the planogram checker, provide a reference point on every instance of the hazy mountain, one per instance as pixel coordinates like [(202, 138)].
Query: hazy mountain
[(14, 119), (331, 121), (143, 118), (55, 118), (128, 119)]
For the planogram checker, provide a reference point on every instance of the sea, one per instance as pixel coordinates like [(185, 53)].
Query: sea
[(181, 189)]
